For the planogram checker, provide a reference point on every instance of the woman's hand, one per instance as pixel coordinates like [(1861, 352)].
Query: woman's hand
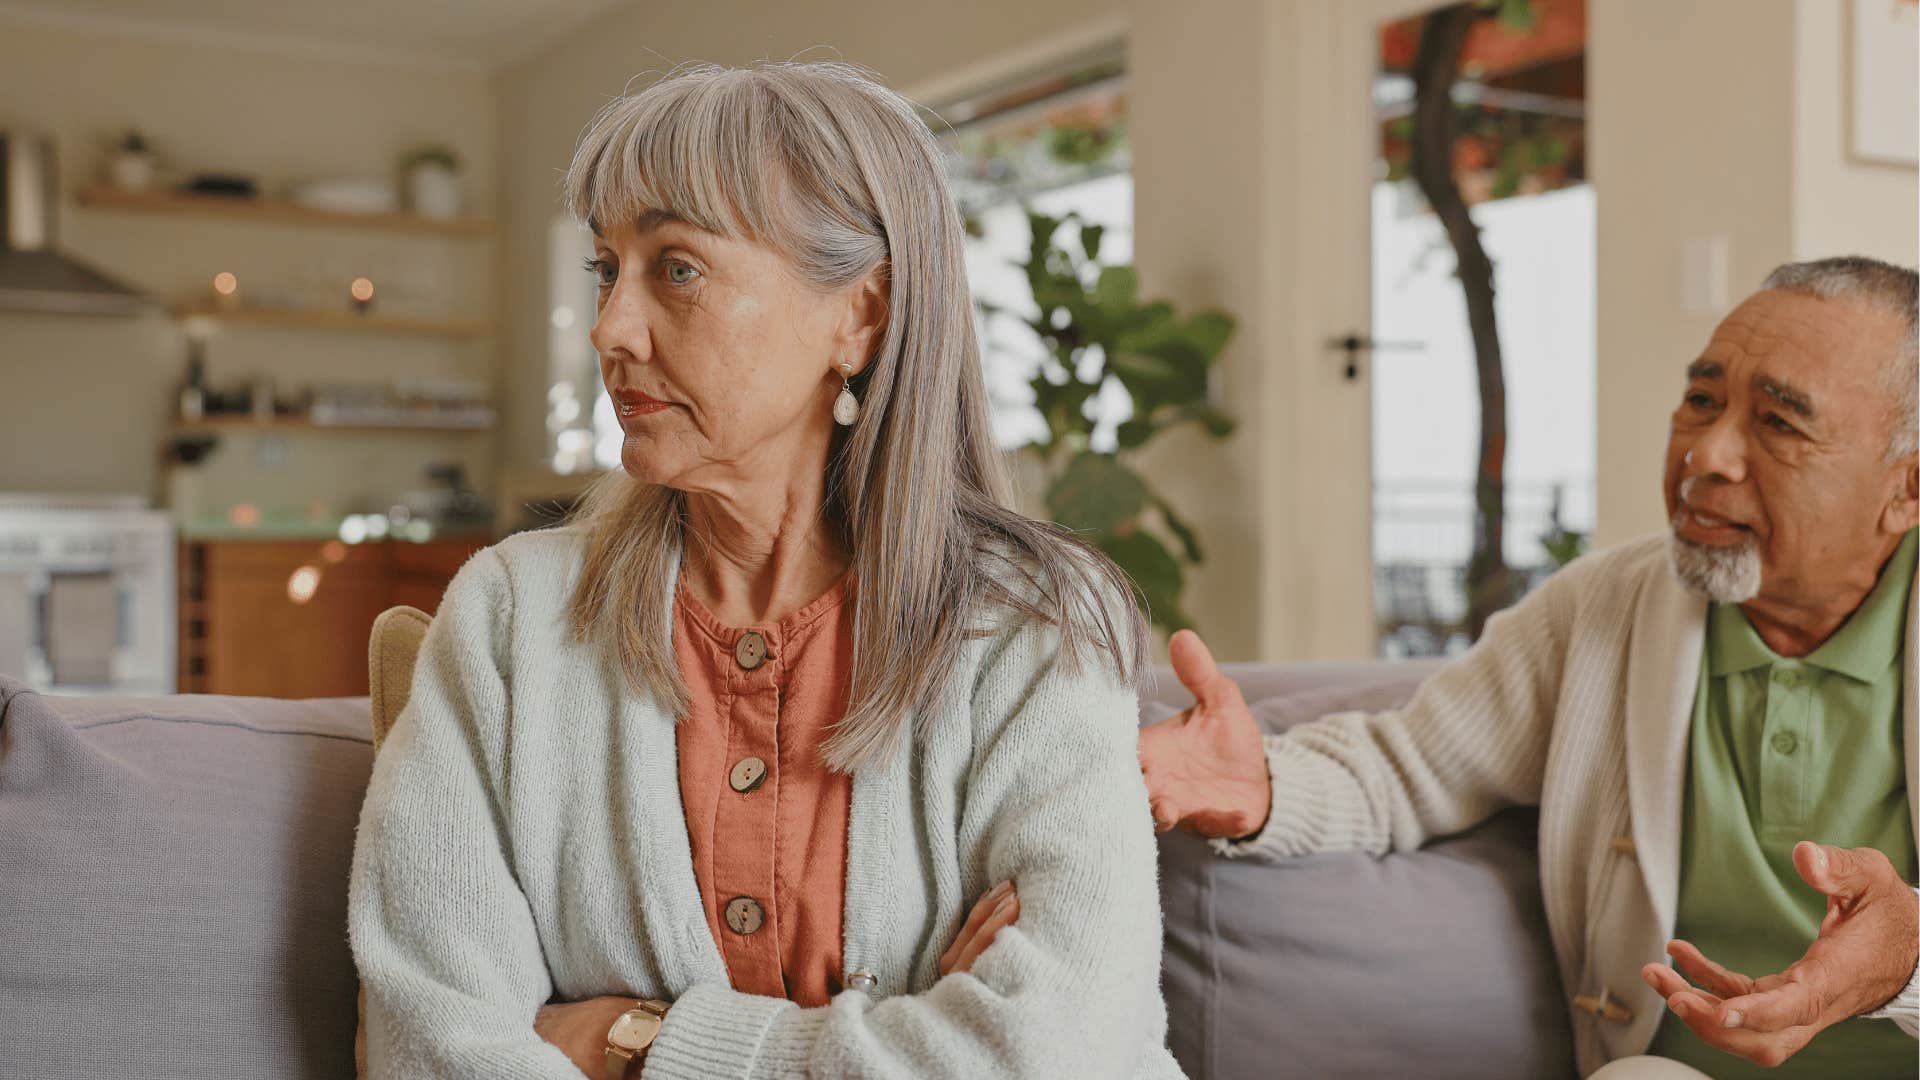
[(996, 910), (579, 1029)]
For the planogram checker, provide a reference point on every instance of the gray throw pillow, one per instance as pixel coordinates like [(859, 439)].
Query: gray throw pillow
[(1433, 963), (173, 885)]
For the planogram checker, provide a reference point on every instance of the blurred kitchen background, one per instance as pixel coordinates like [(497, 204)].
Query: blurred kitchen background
[(290, 322)]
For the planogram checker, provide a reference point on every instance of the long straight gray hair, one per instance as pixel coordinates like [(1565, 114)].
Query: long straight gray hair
[(825, 165)]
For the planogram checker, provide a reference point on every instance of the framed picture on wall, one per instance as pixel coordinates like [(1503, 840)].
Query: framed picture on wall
[(1886, 69)]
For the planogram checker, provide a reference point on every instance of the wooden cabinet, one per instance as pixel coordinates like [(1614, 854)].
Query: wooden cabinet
[(290, 618)]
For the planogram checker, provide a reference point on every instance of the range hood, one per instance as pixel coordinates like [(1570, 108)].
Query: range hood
[(34, 275)]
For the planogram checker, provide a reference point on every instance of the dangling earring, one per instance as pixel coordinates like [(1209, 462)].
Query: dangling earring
[(846, 407)]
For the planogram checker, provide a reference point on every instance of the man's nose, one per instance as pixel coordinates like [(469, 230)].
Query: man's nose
[(1721, 450)]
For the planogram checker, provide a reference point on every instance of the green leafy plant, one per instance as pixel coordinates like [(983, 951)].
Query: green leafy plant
[(431, 154), (1095, 327)]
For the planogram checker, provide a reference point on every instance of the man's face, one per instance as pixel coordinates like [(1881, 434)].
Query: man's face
[(1777, 450)]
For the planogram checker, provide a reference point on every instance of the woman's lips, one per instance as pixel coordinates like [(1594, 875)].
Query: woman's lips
[(632, 403)]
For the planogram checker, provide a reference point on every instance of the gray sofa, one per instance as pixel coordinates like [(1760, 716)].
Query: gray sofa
[(173, 877)]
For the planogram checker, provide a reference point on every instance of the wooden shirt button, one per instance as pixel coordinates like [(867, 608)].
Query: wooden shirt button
[(745, 915), (747, 774), (750, 650)]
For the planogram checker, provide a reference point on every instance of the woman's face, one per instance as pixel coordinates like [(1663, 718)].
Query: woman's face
[(722, 365)]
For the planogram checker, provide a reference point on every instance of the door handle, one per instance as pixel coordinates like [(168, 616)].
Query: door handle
[(1352, 345)]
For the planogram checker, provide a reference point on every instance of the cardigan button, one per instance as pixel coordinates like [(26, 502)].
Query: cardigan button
[(745, 915), (747, 774), (862, 980), (750, 650)]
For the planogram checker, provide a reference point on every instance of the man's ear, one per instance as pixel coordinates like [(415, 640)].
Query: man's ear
[(869, 306), (1902, 511)]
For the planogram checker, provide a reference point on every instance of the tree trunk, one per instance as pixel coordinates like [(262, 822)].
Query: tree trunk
[(1435, 68)]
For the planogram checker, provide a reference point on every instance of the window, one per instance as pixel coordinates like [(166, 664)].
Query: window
[(1054, 141)]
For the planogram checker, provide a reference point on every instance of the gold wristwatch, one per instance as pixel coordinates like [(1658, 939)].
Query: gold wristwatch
[(629, 1037)]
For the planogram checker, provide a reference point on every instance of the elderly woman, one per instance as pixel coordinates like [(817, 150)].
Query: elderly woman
[(748, 771)]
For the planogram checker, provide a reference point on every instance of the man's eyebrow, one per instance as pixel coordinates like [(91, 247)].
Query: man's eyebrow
[(1796, 400), (1705, 369)]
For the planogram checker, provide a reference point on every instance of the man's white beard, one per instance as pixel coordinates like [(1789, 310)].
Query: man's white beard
[(1729, 575)]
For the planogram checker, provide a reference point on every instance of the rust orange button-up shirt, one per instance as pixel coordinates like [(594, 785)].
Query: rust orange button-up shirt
[(767, 820)]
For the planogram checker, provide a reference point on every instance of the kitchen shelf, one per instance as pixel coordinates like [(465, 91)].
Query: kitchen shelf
[(296, 423), (276, 212), (346, 321)]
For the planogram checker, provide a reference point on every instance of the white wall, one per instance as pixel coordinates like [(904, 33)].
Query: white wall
[(1841, 205)]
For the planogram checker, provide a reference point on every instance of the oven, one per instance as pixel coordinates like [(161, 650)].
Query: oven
[(86, 594)]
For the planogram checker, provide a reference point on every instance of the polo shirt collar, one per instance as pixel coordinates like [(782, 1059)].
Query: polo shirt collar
[(1862, 649)]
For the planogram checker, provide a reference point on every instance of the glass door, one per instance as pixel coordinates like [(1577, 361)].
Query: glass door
[(1479, 355)]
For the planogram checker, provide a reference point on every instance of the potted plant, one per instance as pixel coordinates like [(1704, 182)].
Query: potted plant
[(1095, 326), (433, 181), (132, 163)]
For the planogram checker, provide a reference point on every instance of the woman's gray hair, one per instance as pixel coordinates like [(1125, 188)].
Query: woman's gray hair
[(1886, 287), (822, 163)]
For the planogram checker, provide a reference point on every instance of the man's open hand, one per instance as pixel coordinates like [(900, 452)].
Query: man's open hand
[(1206, 768), (1863, 957)]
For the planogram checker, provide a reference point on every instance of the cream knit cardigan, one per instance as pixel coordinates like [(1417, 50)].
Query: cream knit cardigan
[(523, 838), (1578, 700)]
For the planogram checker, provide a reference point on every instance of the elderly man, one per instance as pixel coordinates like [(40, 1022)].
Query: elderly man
[(1718, 725)]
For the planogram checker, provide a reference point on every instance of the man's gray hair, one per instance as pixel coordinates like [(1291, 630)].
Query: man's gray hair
[(1889, 288)]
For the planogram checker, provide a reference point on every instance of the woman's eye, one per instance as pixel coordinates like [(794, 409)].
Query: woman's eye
[(1777, 423), (680, 273), (602, 271), (1700, 401)]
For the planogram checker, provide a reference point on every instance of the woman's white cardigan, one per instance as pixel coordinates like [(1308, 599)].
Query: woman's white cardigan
[(523, 840)]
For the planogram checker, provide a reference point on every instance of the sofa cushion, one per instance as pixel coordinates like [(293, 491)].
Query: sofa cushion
[(1433, 963), (172, 885)]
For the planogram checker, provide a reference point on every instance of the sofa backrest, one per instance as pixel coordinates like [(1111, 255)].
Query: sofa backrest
[(173, 885)]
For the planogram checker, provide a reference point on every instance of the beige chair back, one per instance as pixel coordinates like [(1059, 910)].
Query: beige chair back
[(392, 649)]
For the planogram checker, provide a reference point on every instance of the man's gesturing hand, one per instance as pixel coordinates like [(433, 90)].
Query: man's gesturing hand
[(1206, 768), (1863, 957)]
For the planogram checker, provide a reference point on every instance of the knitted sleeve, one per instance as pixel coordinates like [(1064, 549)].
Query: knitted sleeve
[(441, 933), (1904, 1009), (1472, 741), (1070, 990)]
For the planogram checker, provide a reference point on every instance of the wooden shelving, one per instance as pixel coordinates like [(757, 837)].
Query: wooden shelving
[(277, 212), (296, 423), (343, 321)]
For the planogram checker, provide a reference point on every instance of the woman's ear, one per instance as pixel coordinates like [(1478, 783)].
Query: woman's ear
[(869, 306)]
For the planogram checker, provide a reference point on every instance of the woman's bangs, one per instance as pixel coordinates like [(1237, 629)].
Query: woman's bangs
[(690, 147)]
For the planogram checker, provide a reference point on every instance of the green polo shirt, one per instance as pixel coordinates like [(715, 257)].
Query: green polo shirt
[(1785, 750)]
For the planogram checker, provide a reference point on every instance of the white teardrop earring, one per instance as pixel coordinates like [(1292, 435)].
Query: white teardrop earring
[(846, 407)]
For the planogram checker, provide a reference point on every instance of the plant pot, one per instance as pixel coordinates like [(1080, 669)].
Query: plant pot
[(132, 171), (434, 191)]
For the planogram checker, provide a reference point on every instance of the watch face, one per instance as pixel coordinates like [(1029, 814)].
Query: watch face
[(635, 1030)]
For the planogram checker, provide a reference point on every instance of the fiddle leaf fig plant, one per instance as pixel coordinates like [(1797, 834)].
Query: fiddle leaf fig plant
[(1095, 327)]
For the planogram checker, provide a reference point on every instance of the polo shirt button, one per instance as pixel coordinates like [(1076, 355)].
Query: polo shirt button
[(1784, 742), (1786, 676), (747, 774), (745, 915), (862, 980), (750, 650)]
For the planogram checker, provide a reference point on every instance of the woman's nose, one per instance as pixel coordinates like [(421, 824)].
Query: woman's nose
[(620, 332)]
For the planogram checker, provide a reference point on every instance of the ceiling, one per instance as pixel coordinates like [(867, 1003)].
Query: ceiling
[(457, 34)]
